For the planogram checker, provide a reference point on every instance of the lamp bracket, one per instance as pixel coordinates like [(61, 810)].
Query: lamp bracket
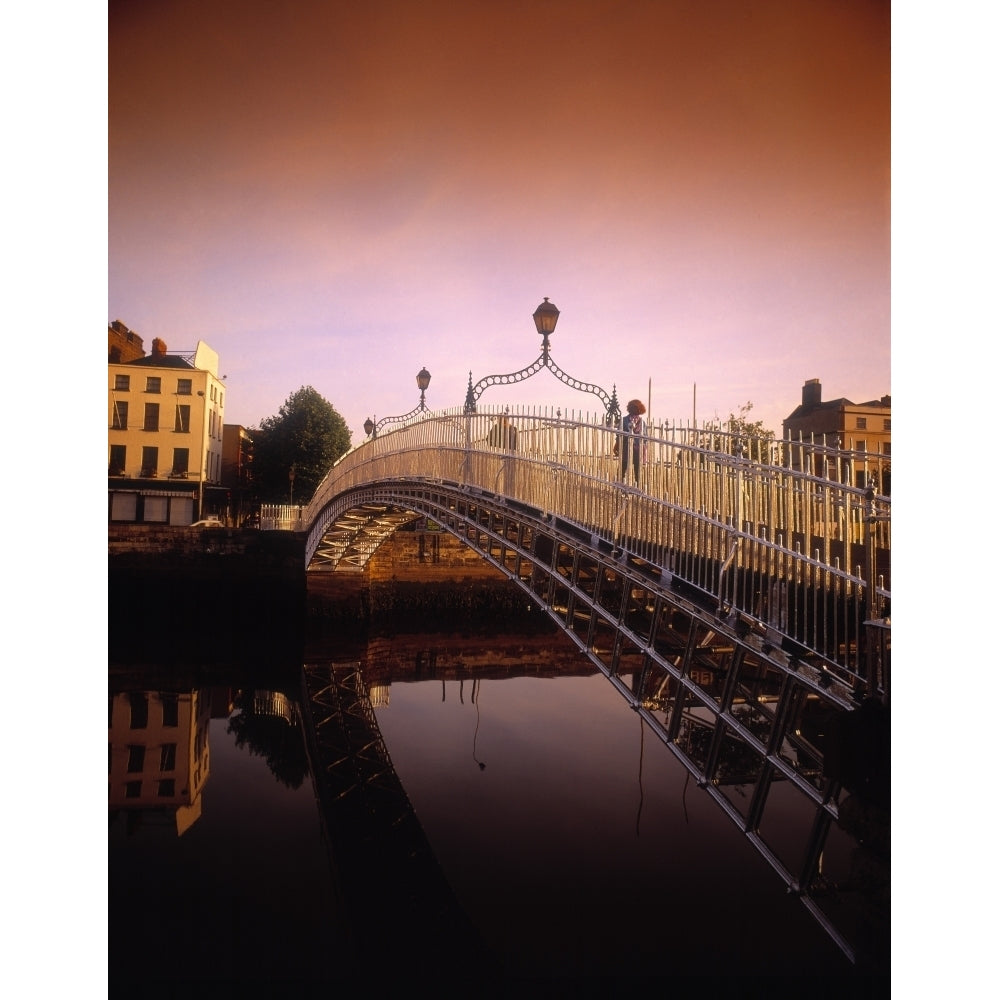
[(544, 360)]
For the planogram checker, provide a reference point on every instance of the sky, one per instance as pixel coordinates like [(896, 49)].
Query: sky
[(338, 194)]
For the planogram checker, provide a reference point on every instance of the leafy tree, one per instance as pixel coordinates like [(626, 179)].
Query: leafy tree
[(308, 435), (741, 436)]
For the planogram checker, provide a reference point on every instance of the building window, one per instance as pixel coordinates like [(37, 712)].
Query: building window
[(184, 387), (150, 461), (151, 418), (119, 416), (182, 418), (121, 383), (862, 423), (886, 447), (138, 710), (180, 466), (861, 445), (133, 789), (116, 463), (165, 788), (887, 424), (152, 383), (169, 702), (168, 757), (136, 758)]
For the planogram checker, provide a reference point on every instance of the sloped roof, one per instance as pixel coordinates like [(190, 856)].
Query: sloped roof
[(161, 361), (804, 409)]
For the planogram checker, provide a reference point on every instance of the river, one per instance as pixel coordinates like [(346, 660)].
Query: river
[(575, 843)]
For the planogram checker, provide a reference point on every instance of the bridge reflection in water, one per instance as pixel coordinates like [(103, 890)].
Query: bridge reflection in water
[(737, 599), (398, 901), (849, 891)]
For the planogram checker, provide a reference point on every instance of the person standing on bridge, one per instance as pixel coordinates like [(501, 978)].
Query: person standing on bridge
[(633, 427), (504, 437), (504, 434)]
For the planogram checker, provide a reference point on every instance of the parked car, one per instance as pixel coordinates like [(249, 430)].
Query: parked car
[(208, 522)]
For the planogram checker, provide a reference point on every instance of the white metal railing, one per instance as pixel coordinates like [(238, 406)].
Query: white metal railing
[(567, 464), (740, 518), (282, 517)]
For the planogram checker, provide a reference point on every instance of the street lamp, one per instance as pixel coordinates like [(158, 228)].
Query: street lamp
[(545, 316), (423, 381)]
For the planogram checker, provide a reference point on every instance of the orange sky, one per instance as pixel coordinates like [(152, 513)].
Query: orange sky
[(337, 194)]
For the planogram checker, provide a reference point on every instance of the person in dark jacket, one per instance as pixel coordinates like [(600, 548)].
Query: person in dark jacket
[(631, 445), (503, 434)]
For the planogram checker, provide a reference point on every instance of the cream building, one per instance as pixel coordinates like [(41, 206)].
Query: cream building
[(855, 438), (165, 433)]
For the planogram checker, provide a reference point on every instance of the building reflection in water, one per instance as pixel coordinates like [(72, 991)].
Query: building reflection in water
[(158, 748), (158, 755)]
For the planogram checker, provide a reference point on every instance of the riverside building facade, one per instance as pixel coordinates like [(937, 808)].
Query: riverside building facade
[(165, 431)]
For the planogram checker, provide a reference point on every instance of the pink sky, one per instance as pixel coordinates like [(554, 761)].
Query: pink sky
[(337, 194)]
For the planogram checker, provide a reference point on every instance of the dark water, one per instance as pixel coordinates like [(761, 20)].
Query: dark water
[(575, 843)]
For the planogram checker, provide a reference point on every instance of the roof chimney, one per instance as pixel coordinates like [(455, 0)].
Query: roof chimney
[(159, 347), (812, 391)]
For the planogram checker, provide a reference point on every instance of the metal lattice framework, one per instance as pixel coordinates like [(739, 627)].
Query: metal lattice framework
[(352, 538)]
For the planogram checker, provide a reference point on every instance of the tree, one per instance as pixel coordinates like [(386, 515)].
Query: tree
[(743, 437), (304, 438)]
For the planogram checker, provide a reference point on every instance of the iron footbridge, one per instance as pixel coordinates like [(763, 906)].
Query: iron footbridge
[(737, 600)]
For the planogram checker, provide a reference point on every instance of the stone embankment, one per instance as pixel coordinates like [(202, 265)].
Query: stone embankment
[(182, 595), (422, 581)]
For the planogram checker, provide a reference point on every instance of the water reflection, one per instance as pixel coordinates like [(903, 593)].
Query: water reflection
[(158, 755), (268, 725), (226, 884), (567, 832)]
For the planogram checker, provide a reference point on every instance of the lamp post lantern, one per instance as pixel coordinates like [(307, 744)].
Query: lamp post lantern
[(545, 316), (423, 381)]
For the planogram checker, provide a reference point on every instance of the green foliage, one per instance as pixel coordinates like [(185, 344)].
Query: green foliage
[(307, 435), (741, 436)]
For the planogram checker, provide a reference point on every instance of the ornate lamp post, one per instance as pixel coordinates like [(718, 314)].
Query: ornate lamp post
[(545, 317), (291, 485), (423, 381)]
